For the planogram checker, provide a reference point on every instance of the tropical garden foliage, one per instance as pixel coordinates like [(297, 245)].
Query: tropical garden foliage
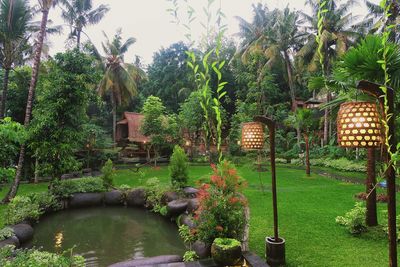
[(59, 113)]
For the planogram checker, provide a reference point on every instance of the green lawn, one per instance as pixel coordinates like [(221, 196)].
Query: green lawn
[(307, 210)]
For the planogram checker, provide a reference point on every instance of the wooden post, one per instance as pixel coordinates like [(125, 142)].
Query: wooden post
[(371, 215)]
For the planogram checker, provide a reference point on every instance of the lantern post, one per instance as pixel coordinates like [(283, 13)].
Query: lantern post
[(359, 126), (253, 138), (390, 174)]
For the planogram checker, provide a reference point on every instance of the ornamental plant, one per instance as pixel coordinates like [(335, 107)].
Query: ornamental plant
[(354, 220), (178, 167), (221, 205)]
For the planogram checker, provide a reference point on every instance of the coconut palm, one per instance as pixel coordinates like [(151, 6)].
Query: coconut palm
[(120, 80), (80, 14), (374, 21), (278, 35), (339, 32), (14, 21), (45, 6)]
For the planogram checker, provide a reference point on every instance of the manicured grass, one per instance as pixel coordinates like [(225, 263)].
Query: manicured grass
[(307, 210)]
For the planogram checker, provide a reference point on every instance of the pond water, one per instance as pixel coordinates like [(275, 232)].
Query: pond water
[(106, 235)]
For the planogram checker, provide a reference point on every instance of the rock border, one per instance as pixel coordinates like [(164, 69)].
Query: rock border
[(179, 210)]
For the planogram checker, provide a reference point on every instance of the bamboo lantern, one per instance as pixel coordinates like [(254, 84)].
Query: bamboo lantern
[(252, 136), (358, 125)]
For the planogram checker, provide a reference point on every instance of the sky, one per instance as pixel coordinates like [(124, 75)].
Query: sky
[(150, 23)]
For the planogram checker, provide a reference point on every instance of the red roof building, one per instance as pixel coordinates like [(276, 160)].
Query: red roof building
[(129, 128)]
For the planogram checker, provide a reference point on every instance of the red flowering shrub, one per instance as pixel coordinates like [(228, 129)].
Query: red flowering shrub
[(221, 206)]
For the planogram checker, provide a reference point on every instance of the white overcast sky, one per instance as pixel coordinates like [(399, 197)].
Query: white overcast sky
[(149, 22)]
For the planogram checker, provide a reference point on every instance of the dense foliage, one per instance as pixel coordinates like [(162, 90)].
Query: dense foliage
[(66, 188), (32, 257), (60, 112)]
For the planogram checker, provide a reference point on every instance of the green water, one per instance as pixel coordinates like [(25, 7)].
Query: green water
[(106, 235)]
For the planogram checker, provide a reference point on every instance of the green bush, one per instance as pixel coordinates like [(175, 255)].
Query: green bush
[(36, 258), (178, 167), (221, 205), (341, 164), (154, 193), (66, 188), (45, 201), (108, 174), (354, 220), (5, 233), (22, 208)]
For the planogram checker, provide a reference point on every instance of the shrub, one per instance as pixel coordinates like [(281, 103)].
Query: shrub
[(5, 233), (32, 257), (154, 193), (45, 201), (221, 206), (190, 255), (178, 167), (22, 208), (108, 174), (65, 188), (188, 238), (354, 220), (342, 164)]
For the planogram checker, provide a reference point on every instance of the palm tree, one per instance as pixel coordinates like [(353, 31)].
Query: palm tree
[(374, 21), (338, 33), (80, 14), (14, 20), (304, 120), (45, 6), (278, 35), (120, 79)]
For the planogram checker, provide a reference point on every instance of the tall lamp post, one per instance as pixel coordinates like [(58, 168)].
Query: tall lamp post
[(359, 125), (253, 139)]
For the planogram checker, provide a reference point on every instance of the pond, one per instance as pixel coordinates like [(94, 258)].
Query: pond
[(106, 235)]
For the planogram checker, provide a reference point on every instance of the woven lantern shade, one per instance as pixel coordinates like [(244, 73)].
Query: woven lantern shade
[(252, 136), (358, 125)]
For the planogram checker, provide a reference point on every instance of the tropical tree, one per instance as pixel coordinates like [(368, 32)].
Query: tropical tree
[(304, 120), (157, 125), (278, 35), (120, 79), (339, 32), (168, 77), (80, 14), (375, 21), (14, 20), (45, 6), (56, 130)]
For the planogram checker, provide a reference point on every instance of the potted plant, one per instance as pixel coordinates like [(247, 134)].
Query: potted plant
[(226, 251)]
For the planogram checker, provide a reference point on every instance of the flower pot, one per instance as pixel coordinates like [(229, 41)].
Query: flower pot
[(275, 251), (225, 253)]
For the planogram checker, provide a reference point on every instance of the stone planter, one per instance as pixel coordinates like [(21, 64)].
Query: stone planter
[(275, 251), (226, 251)]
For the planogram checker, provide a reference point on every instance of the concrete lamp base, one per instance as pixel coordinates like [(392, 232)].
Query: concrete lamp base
[(275, 251)]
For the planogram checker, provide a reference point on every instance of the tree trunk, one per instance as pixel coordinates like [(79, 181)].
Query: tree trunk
[(371, 218), (32, 86), (4, 95), (290, 78), (36, 179), (78, 39), (307, 154), (326, 121), (114, 114)]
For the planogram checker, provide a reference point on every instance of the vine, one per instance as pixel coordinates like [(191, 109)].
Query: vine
[(392, 157), (210, 62)]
